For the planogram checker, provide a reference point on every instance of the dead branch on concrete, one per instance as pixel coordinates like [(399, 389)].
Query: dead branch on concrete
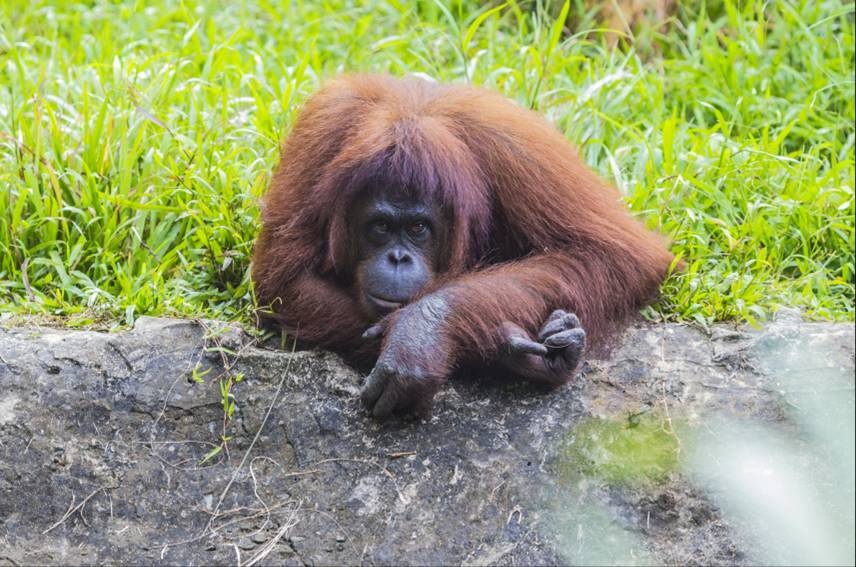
[(72, 509)]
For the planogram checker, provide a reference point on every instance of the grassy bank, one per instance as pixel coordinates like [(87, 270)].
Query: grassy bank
[(136, 138)]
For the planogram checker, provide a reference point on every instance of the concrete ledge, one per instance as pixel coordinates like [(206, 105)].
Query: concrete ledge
[(103, 436)]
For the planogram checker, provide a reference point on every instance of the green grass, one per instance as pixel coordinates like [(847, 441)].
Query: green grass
[(137, 137)]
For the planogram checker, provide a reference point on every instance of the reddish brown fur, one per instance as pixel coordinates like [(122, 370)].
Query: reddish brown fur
[(533, 228)]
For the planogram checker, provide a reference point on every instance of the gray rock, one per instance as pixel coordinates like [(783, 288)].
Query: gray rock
[(104, 438)]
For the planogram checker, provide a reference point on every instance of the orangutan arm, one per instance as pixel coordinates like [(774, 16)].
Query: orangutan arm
[(489, 316)]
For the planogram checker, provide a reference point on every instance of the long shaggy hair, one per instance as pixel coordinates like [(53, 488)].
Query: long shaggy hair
[(532, 228)]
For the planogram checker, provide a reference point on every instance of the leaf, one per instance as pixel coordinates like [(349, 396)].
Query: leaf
[(557, 27), (473, 27), (211, 454)]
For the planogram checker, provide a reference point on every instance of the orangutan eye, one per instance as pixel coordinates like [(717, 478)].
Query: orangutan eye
[(418, 229)]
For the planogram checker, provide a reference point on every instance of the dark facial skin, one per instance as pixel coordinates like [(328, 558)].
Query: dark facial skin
[(396, 250)]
